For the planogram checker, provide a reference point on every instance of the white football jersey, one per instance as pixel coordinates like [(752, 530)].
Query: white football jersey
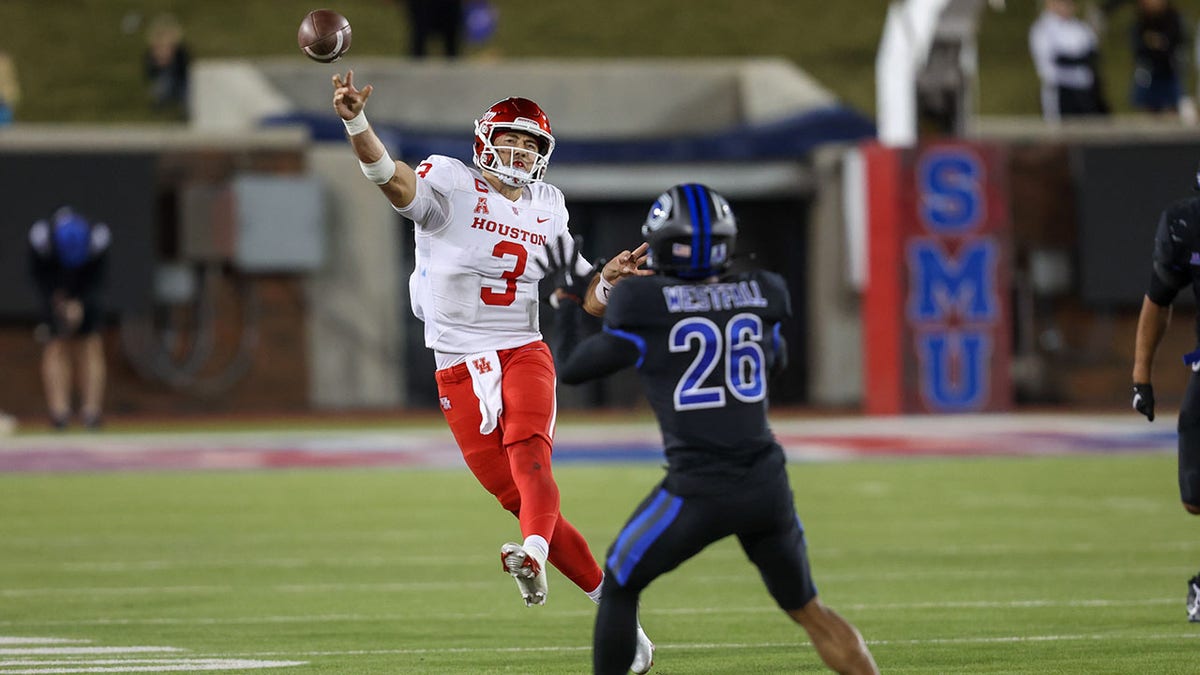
[(479, 258)]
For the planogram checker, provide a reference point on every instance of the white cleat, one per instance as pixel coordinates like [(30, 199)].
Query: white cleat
[(643, 658), (527, 571)]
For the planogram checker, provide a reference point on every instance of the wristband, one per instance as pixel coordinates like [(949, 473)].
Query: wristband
[(381, 170), (602, 290), (357, 125)]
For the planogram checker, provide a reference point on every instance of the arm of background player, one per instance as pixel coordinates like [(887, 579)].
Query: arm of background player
[(581, 353), (777, 355), (1152, 325), (349, 102), (42, 272), (598, 356)]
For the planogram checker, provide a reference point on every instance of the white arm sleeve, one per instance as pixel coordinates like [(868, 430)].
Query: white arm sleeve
[(437, 177)]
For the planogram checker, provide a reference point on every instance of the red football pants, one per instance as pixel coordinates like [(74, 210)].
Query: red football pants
[(513, 462)]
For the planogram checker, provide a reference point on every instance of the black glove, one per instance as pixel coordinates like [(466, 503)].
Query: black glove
[(1143, 400), (565, 271)]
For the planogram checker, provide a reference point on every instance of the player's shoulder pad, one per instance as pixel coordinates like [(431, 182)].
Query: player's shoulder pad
[(101, 238), (39, 237), (1182, 210), (444, 174), (774, 290), (547, 194), (1179, 223), (635, 301)]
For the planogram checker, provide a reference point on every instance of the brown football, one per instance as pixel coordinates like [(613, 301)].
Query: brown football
[(324, 35)]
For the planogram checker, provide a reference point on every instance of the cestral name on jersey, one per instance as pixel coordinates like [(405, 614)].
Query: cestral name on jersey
[(505, 230), (709, 297)]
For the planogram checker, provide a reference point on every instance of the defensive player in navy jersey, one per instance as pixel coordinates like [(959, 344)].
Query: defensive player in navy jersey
[(1176, 264), (704, 342)]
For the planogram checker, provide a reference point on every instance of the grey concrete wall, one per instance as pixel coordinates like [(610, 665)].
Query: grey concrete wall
[(585, 98), (835, 347), (354, 322)]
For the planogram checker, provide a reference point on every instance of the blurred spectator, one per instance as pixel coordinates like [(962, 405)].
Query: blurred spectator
[(1159, 37), (442, 19), (480, 18), (167, 62), (67, 261), (10, 89), (1065, 52)]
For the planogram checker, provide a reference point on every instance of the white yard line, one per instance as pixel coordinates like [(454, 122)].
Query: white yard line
[(1003, 639), (1033, 603), (182, 665)]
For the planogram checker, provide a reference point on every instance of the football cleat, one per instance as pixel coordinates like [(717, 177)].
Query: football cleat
[(527, 571), (1193, 599), (643, 658)]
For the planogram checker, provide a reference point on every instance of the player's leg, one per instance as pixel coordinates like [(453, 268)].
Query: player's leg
[(56, 380), (664, 531), (93, 372), (838, 642), (527, 426), (528, 422), (485, 456), (774, 541), (1189, 474)]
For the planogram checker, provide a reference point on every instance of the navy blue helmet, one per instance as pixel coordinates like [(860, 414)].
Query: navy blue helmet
[(72, 237), (691, 231)]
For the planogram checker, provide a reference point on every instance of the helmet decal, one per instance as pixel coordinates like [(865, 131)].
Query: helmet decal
[(659, 212)]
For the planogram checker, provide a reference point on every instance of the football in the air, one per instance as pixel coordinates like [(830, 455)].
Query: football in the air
[(324, 35)]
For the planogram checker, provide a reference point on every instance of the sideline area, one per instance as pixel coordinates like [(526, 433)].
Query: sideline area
[(579, 440)]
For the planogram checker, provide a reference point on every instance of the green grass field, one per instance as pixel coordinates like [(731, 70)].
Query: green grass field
[(1056, 565)]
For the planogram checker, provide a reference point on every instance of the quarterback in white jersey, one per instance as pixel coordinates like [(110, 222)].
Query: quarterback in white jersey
[(479, 258), (485, 236)]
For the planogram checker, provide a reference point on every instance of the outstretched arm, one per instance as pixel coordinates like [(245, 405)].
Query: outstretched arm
[(396, 179), (582, 354)]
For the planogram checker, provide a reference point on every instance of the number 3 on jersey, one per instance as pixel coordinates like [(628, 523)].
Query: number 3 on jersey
[(502, 249), (744, 361)]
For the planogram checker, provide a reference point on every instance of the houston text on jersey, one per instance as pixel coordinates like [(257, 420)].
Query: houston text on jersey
[(505, 230)]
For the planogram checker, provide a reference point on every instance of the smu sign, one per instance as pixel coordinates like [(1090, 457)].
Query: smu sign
[(936, 316)]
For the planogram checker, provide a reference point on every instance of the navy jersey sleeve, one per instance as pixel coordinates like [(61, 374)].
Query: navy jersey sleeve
[(583, 353), (1172, 239), (779, 300), (778, 309), (626, 310)]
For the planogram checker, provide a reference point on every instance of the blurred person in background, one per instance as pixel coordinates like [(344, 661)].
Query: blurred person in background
[(167, 63), (10, 89), (1159, 57), (704, 341), (1065, 52), (434, 19), (1175, 264), (68, 255), (484, 238)]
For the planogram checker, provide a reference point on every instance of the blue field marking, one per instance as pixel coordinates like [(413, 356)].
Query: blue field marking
[(813, 438), (604, 453)]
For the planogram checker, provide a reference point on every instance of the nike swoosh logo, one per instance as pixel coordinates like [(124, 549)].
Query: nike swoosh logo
[(542, 220)]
